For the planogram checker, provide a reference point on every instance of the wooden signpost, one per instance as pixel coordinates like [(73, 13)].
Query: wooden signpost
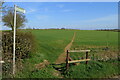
[(16, 9), (76, 61)]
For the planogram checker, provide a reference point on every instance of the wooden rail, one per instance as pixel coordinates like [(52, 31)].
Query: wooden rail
[(75, 61), (79, 51), (2, 62)]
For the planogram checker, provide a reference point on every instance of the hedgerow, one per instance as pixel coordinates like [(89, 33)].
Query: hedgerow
[(24, 46)]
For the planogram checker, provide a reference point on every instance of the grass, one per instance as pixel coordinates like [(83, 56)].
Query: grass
[(96, 38), (94, 69), (102, 43), (51, 43), (97, 42)]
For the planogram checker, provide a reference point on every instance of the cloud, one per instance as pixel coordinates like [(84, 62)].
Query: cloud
[(67, 10), (106, 18), (110, 21), (31, 10), (42, 17), (60, 5)]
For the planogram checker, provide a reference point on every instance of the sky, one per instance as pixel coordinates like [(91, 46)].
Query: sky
[(71, 15), (62, 0)]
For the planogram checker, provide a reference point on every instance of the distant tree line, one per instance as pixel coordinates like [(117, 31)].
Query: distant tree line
[(116, 30)]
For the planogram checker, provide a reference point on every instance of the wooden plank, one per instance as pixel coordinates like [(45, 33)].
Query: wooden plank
[(74, 61), (2, 62), (79, 50), (70, 59)]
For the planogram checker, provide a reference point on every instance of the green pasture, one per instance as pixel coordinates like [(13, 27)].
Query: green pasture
[(51, 43), (101, 44), (93, 38)]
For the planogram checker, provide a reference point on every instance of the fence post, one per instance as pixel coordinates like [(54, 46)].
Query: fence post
[(93, 57), (67, 58), (86, 57)]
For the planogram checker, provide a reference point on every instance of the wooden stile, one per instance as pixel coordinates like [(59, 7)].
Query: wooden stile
[(76, 61)]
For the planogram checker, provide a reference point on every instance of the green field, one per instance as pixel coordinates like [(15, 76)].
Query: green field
[(51, 43), (97, 41)]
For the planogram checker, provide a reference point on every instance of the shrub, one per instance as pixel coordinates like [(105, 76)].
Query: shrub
[(24, 46)]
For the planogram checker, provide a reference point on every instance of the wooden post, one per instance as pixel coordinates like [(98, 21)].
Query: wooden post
[(93, 57), (67, 58), (82, 58), (86, 57)]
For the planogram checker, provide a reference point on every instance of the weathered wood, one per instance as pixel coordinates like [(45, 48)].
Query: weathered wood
[(70, 59), (86, 57), (67, 59), (79, 50), (2, 62), (74, 61)]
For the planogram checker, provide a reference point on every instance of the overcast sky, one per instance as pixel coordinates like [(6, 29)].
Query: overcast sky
[(75, 15)]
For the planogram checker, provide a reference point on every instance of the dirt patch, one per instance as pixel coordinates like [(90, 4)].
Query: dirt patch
[(116, 77), (57, 73), (42, 65)]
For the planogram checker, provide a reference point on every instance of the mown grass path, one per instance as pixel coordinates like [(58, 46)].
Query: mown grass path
[(62, 57)]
